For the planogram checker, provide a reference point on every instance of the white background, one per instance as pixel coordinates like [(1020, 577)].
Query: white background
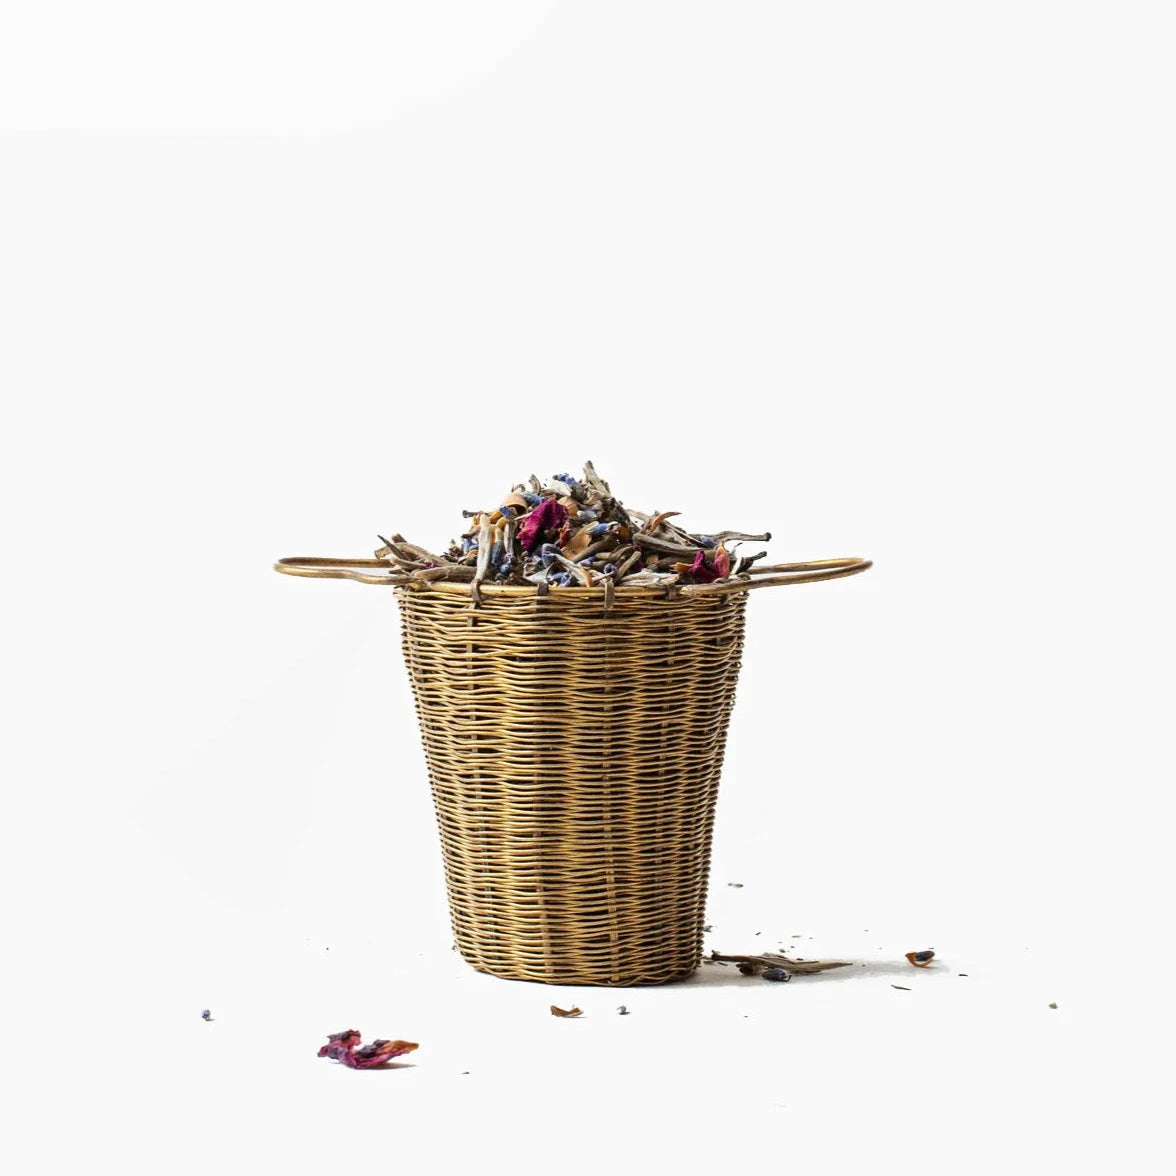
[(888, 279)]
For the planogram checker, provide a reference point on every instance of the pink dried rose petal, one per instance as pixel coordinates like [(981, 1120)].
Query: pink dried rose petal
[(701, 573), (376, 1054), (548, 515), (722, 562), (344, 1047), (339, 1044)]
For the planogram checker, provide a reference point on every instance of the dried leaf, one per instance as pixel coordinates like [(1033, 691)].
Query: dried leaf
[(586, 526), (556, 1011), (756, 965)]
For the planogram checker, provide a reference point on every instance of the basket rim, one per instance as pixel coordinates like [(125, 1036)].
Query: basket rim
[(365, 571)]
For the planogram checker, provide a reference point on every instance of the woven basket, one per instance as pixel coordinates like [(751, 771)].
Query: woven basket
[(574, 746)]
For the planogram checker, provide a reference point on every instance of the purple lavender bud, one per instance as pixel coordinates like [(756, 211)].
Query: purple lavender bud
[(777, 974)]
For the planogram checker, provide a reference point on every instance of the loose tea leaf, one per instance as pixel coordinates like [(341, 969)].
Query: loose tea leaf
[(572, 533), (345, 1047), (556, 1011), (757, 965)]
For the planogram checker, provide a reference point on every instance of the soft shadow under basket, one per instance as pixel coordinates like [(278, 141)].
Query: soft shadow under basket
[(574, 743)]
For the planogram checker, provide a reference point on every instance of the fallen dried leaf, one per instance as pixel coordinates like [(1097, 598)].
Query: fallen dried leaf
[(756, 965), (574, 1011)]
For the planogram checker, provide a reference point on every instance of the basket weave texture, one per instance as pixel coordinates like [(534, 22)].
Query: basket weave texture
[(574, 754)]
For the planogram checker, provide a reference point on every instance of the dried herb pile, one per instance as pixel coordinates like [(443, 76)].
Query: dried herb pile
[(571, 533)]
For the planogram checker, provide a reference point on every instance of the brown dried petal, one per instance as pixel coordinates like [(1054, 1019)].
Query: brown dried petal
[(556, 1011)]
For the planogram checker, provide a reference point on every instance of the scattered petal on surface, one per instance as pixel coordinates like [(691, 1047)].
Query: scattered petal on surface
[(920, 959), (556, 1011), (345, 1047)]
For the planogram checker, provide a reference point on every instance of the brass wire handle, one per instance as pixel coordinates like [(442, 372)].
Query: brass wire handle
[(772, 575)]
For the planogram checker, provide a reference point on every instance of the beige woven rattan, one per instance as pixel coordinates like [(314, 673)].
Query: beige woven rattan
[(574, 746)]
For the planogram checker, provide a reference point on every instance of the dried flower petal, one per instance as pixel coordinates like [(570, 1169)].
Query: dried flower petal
[(344, 1047), (556, 1011), (376, 1054), (701, 573), (920, 959), (722, 562), (549, 515)]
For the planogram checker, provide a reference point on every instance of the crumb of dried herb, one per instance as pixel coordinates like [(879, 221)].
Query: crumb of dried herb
[(206, 1014), (900, 987), (574, 1011)]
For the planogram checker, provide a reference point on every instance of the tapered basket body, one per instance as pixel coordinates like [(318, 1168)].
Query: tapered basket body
[(574, 752)]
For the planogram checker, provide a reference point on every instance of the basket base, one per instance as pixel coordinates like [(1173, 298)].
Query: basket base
[(576, 982)]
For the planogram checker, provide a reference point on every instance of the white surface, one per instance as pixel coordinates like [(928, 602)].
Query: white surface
[(888, 280)]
